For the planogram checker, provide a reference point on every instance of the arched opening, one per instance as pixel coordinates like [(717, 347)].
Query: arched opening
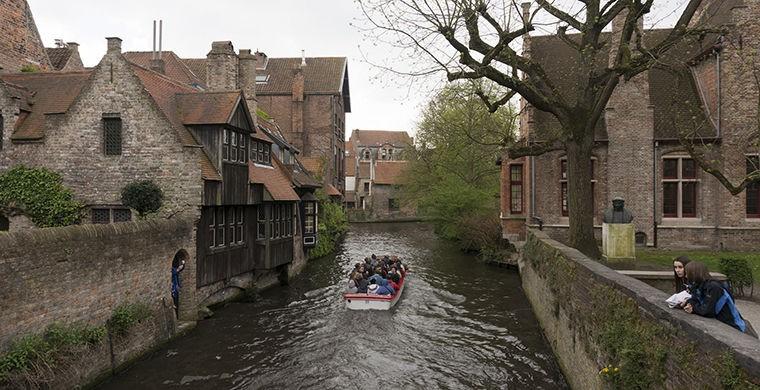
[(641, 239), (5, 224), (178, 265)]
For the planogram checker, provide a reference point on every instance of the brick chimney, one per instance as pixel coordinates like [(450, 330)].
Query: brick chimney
[(222, 67), (247, 78), (114, 45), (297, 98)]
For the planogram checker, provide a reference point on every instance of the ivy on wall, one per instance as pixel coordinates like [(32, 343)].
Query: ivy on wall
[(40, 193)]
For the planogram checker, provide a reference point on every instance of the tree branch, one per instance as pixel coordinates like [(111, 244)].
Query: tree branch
[(534, 149)]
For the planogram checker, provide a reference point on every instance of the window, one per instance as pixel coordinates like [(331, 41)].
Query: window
[(563, 186), (393, 205), (310, 217), (243, 155), (753, 189), (390, 154), (261, 152), (225, 145), (234, 146), (108, 215), (262, 78), (384, 154), (366, 186), (220, 227), (261, 223), (516, 189), (212, 229), (231, 225), (240, 225), (111, 134), (366, 154), (679, 187)]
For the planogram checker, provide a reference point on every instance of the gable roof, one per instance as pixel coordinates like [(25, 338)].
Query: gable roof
[(42, 94), (673, 98), (174, 67), (58, 56), (363, 138), (207, 107), (274, 179), (389, 172)]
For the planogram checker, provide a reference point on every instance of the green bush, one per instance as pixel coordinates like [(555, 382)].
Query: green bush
[(127, 315), (737, 271), (44, 350), (144, 196), (30, 68), (333, 223), (40, 193)]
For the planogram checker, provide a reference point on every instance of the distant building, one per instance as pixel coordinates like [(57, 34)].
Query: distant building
[(376, 164)]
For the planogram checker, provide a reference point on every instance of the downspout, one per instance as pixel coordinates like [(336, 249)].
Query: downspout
[(654, 193), (532, 188), (720, 93)]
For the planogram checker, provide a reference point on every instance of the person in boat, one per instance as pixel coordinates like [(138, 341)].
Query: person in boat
[(679, 273), (377, 289), (352, 286), (710, 298), (378, 279), (393, 281), (361, 284)]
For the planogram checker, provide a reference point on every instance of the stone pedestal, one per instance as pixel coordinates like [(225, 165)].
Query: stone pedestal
[(618, 241)]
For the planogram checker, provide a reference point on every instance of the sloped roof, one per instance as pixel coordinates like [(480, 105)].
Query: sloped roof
[(43, 94), (274, 179), (330, 190), (207, 107), (197, 66), (674, 99), (58, 56), (360, 138), (273, 131), (321, 75), (174, 67), (312, 164), (389, 172)]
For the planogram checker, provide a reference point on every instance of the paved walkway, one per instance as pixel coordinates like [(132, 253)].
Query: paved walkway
[(750, 311)]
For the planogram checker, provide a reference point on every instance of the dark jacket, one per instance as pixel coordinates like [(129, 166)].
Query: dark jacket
[(362, 286), (711, 299)]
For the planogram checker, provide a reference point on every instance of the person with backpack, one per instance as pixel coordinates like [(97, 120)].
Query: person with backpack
[(711, 298)]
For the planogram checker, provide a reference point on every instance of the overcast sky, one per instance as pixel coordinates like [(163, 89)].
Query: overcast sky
[(279, 28)]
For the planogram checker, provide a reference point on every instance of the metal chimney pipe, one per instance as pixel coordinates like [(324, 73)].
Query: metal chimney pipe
[(303, 57), (153, 54), (160, 34)]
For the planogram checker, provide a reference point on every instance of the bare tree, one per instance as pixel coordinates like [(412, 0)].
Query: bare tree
[(478, 39)]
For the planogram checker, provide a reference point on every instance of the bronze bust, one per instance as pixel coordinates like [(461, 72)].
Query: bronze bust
[(618, 213)]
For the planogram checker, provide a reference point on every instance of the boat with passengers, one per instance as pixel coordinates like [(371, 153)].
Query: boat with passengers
[(376, 284)]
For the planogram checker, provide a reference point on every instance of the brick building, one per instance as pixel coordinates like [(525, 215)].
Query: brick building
[(637, 154), (119, 122), (374, 173)]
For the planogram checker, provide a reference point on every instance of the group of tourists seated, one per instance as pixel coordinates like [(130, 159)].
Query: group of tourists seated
[(379, 276), (696, 292)]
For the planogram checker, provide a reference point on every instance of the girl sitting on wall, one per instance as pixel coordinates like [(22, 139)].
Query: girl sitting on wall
[(709, 298), (679, 273)]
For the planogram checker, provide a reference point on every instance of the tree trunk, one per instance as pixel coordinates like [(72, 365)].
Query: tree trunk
[(580, 196)]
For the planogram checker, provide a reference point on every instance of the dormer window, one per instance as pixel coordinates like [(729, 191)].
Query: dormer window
[(234, 147), (366, 154), (261, 152)]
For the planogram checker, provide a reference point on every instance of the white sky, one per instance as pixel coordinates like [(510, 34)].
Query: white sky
[(279, 28)]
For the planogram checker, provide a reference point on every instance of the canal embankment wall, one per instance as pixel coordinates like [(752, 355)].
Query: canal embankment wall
[(610, 330), (82, 274)]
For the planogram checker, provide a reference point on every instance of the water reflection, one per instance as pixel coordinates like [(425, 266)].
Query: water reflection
[(460, 324)]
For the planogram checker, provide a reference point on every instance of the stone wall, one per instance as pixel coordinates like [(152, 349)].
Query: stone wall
[(595, 317), (81, 273)]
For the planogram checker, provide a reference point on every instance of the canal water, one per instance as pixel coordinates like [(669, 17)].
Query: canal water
[(460, 324)]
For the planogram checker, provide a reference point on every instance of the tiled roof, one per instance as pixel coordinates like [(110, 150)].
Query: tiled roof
[(389, 172), (197, 66), (275, 134), (274, 179), (321, 75), (330, 190), (43, 94), (667, 96), (174, 67), (58, 56), (361, 138), (207, 107), (364, 170)]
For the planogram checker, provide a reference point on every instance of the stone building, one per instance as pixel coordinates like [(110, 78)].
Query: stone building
[(637, 153), (375, 168), (119, 122)]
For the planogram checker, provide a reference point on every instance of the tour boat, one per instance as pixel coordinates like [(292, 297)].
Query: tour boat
[(361, 301)]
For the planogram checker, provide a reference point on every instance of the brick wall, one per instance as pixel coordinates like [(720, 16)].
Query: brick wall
[(580, 303), (73, 144), (81, 273), (21, 43)]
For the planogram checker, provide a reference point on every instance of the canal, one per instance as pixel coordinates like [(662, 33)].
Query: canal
[(459, 324)]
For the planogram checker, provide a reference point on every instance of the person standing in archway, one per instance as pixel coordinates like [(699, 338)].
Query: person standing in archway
[(178, 265)]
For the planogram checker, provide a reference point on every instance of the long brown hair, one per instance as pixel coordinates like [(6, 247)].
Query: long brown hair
[(680, 281), (696, 272)]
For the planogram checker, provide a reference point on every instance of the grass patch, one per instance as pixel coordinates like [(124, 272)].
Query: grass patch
[(39, 352), (710, 258), (127, 315)]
